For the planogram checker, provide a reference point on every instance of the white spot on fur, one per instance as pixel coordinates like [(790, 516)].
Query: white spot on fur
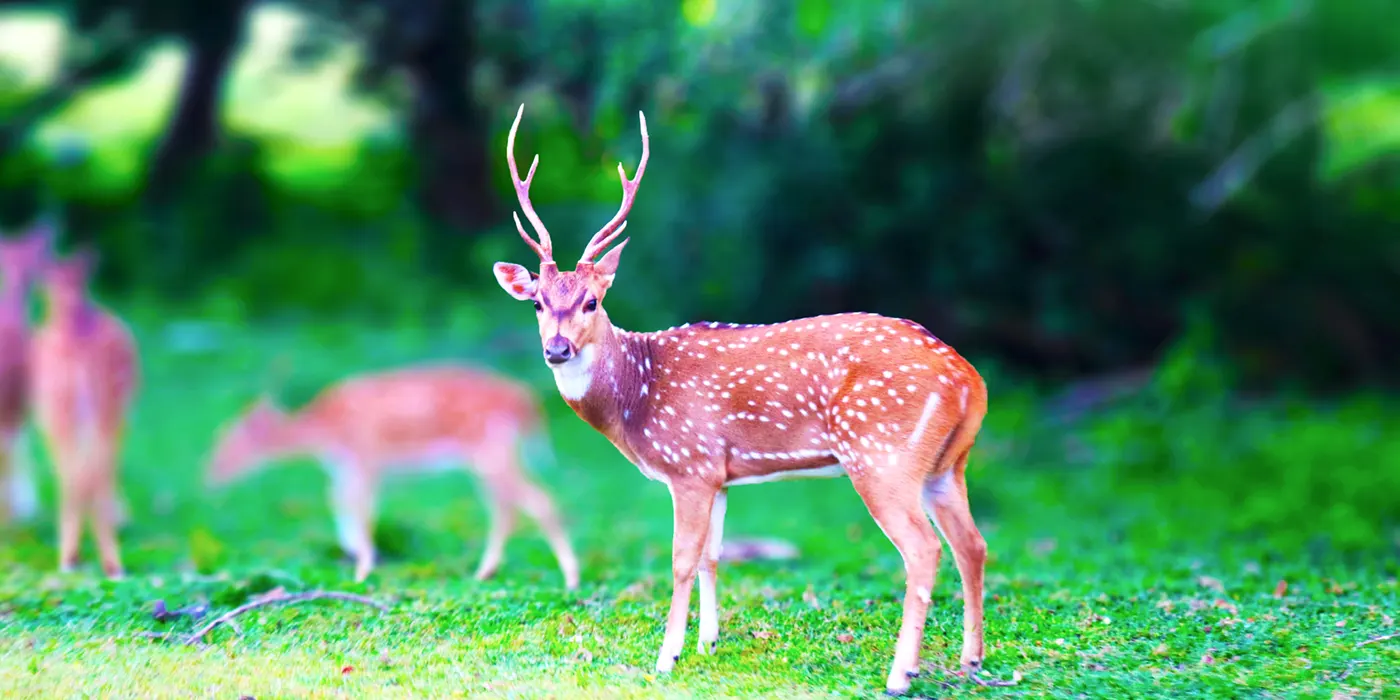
[(930, 407)]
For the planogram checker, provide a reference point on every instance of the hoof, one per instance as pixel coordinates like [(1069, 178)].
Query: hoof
[(897, 685), (666, 663), (114, 573), (971, 668)]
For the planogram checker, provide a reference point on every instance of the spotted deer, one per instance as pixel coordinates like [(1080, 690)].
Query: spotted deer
[(85, 375), (410, 419), (704, 407), (22, 260)]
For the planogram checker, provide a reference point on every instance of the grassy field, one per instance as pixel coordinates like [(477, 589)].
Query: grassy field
[(1161, 548)]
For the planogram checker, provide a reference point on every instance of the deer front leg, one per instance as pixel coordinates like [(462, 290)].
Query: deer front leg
[(692, 503), (71, 499), (896, 509), (97, 472), (73, 492), (352, 498), (709, 568), (501, 509)]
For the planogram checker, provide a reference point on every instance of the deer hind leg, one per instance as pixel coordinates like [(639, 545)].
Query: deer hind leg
[(896, 509), (709, 570), (103, 507), (946, 498), (540, 507), (692, 503), (352, 499)]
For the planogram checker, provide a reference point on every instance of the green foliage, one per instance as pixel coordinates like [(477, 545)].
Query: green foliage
[(1151, 548), (1064, 186)]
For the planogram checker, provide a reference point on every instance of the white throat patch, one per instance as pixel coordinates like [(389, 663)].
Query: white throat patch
[(574, 376)]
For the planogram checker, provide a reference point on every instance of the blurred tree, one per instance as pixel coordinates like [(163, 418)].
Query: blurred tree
[(210, 31), (103, 48), (429, 52), (1057, 183)]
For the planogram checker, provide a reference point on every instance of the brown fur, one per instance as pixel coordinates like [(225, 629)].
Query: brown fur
[(372, 424), (703, 407), (22, 260), (85, 376)]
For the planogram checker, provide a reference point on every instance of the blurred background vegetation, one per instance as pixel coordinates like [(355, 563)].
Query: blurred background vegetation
[(1061, 188), (1166, 231)]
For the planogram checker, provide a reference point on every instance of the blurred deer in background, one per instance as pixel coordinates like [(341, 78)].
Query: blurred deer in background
[(413, 419), (22, 261), (84, 377), (701, 408)]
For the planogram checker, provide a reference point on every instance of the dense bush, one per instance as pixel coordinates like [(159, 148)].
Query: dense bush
[(1064, 186)]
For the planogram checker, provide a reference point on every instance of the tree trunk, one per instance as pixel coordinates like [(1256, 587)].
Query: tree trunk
[(211, 39), (450, 133)]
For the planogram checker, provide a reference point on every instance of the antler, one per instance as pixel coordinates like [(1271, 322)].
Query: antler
[(544, 248), (605, 236)]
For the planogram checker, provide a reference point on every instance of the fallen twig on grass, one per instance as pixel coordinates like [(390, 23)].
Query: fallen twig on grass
[(279, 597), (1377, 640), (1016, 677), (993, 683), (163, 614)]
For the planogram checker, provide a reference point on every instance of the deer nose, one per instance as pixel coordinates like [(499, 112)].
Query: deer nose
[(558, 350)]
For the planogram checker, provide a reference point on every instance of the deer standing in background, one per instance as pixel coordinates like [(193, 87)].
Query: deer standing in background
[(704, 407), (22, 261), (365, 427), (84, 377)]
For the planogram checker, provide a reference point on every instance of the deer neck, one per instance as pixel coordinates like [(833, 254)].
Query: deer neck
[(296, 436), (607, 386)]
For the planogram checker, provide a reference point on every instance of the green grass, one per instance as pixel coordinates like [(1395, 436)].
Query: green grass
[(1135, 554)]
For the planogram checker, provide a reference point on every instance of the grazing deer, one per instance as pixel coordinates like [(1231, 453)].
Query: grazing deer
[(85, 374), (22, 260), (704, 407), (409, 419)]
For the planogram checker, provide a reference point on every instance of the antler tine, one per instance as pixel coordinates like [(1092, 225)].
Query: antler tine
[(544, 248), (609, 233)]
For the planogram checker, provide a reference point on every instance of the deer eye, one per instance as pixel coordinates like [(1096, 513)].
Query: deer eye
[(590, 305), (538, 308)]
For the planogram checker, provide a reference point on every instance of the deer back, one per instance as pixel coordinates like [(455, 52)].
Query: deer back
[(407, 411)]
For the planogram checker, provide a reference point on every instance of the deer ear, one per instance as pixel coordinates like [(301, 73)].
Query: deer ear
[(518, 281), (606, 267)]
